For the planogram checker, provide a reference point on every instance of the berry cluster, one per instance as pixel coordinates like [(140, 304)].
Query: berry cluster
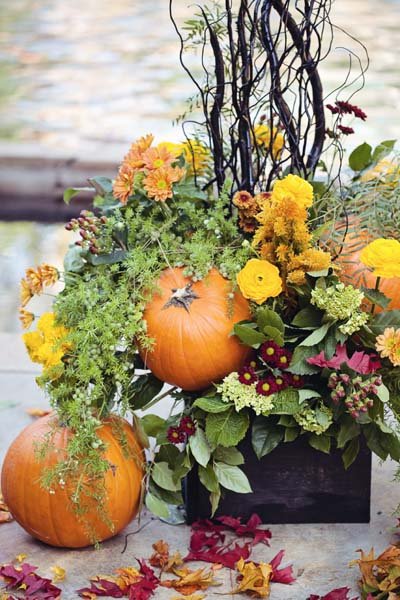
[(180, 434), (274, 357), (89, 227), (357, 393)]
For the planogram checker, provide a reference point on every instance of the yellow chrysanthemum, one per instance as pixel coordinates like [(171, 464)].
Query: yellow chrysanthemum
[(196, 156), (25, 292), (26, 318), (158, 183), (124, 183), (383, 256), (263, 137), (295, 188), (33, 340), (259, 280), (48, 344), (296, 277), (388, 345), (173, 148), (312, 259)]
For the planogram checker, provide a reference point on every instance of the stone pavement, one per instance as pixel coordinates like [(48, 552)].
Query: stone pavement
[(320, 553)]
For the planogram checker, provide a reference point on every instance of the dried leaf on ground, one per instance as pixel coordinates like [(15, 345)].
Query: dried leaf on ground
[(189, 581), (5, 515), (161, 557), (135, 584), (253, 579), (284, 575), (337, 594), (227, 556), (59, 573), (190, 597), (24, 577), (380, 574), (37, 412)]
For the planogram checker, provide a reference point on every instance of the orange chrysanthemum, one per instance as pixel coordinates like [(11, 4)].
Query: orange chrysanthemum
[(124, 183), (34, 280), (26, 318), (25, 292), (49, 275), (155, 158), (134, 158), (243, 199), (158, 183), (388, 345)]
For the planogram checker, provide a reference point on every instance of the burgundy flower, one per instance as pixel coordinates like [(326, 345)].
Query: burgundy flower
[(346, 130), (266, 386), (295, 381), (334, 109), (283, 358), (187, 426), (175, 435), (280, 382), (247, 375), (270, 352)]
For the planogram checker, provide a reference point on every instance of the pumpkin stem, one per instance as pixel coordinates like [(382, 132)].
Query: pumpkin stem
[(182, 297)]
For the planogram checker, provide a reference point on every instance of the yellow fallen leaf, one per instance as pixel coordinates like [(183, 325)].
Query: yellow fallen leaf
[(189, 581), (381, 574), (191, 597), (59, 573), (126, 576), (37, 412), (21, 557), (253, 578)]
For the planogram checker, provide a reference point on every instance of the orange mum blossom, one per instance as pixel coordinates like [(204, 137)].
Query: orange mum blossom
[(158, 183), (48, 274), (26, 318), (124, 183), (155, 158), (134, 158), (34, 280), (25, 292)]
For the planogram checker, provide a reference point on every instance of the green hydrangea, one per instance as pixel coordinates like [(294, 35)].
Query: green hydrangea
[(316, 420), (244, 396), (341, 303)]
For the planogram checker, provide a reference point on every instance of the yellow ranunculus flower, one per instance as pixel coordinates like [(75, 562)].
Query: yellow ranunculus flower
[(295, 188), (383, 256), (259, 280)]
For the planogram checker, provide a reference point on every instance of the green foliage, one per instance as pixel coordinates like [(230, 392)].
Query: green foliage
[(227, 428), (361, 157), (266, 435), (232, 478)]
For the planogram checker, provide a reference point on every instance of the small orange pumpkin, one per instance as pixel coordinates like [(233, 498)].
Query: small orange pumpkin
[(355, 272), (49, 514), (192, 324)]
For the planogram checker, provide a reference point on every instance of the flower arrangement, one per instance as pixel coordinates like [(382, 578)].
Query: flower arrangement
[(232, 291)]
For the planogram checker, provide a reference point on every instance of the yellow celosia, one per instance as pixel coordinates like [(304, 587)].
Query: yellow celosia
[(262, 134), (259, 280), (383, 256)]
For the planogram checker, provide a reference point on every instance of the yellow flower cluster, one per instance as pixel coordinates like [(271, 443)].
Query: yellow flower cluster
[(196, 155), (283, 236), (271, 143), (383, 256), (48, 344), (388, 345)]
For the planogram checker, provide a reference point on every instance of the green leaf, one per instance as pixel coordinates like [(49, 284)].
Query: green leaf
[(291, 434), (266, 317), (232, 478), (143, 390), (108, 259), (320, 442), (156, 506), (71, 192), (212, 404), (351, 452), (163, 476), (307, 318), (265, 436), (383, 393), (200, 447), (287, 421), (152, 424), (73, 260), (215, 497), (274, 334), (391, 443), (376, 297), (299, 364), (374, 440), (249, 336), (209, 479), (102, 185), (305, 394), (227, 428), (380, 321), (170, 454), (166, 496), (383, 149), (349, 429), (230, 456), (286, 402), (316, 336), (361, 157)]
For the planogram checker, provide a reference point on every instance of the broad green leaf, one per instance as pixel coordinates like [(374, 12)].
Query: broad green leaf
[(305, 394), (227, 428), (391, 443), (108, 259), (73, 260), (286, 403), (351, 452), (209, 479), (215, 497), (102, 185), (320, 442), (291, 434), (156, 506), (249, 336), (383, 393), (380, 321), (299, 364), (383, 149), (373, 435), (72, 192), (307, 318), (287, 421), (143, 390), (230, 456), (349, 429), (152, 424), (140, 433), (376, 297), (163, 476), (200, 447), (167, 496), (361, 157), (265, 436), (212, 404), (232, 478), (274, 334), (170, 454), (266, 317), (316, 336)]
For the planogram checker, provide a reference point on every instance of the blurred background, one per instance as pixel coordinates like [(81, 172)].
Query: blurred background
[(81, 79)]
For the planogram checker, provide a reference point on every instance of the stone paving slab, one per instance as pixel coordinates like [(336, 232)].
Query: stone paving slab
[(320, 553)]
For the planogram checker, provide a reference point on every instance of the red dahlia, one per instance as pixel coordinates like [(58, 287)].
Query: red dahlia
[(175, 435), (247, 375)]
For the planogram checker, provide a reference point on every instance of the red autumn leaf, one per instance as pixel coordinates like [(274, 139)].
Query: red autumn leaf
[(337, 594), (221, 554), (284, 575), (144, 588), (101, 587), (199, 539), (34, 585), (250, 529)]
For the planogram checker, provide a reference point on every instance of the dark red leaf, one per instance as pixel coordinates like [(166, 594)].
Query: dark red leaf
[(108, 588), (222, 555), (337, 594), (250, 529), (144, 588), (284, 575), (200, 539), (35, 586)]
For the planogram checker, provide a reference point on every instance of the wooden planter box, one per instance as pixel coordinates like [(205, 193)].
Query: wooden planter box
[(293, 484)]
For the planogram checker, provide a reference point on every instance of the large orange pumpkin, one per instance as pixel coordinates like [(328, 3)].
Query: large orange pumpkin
[(50, 515), (192, 324), (355, 272)]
